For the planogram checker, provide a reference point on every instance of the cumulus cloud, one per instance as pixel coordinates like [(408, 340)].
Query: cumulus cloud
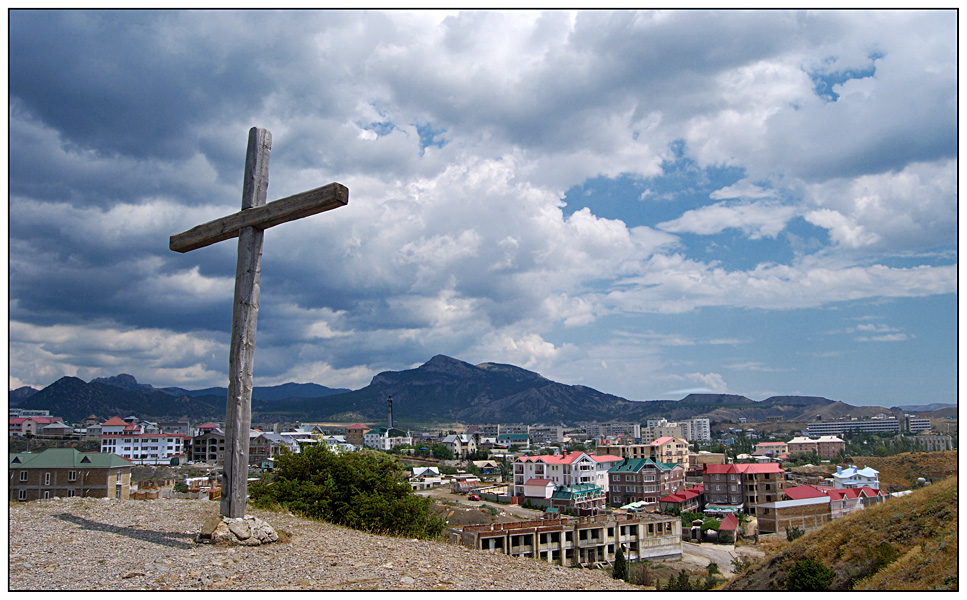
[(754, 220), (459, 135)]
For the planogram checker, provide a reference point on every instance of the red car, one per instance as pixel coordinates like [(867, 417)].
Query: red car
[(473, 497)]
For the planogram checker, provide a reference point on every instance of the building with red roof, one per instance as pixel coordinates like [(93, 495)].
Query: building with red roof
[(355, 434), (570, 468), (31, 425), (742, 486), (690, 500)]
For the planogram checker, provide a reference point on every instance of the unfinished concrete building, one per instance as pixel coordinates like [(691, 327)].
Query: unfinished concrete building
[(579, 541)]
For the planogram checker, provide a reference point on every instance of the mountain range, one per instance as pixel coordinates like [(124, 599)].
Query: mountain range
[(443, 390)]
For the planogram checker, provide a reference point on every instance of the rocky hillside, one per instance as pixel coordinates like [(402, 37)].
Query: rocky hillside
[(443, 390), (907, 543)]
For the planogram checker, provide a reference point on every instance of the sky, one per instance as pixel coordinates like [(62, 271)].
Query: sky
[(650, 204)]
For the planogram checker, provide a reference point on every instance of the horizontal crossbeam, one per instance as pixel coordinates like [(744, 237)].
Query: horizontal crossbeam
[(274, 213)]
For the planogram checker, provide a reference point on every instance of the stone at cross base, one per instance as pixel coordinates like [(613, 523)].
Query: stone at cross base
[(244, 531)]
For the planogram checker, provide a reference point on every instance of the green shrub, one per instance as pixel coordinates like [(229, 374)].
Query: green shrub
[(794, 533), (809, 575), (363, 490), (620, 570)]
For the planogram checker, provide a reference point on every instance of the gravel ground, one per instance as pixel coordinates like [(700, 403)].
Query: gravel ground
[(109, 544)]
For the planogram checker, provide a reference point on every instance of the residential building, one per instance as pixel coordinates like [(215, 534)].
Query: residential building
[(583, 541), (612, 429), (695, 430), (563, 470), (16, 413), (884, 425), (355, 434), (854, 477), (643, 480), (771, 449), (510, 440), (650, 434), (460, 444), (266, 446), (742, 486), (914, 424), (492, 430), (208, 446), (665, 449), (113, 425), (811, 506), (934, 442), (31, 425), (145, 448), (65, 473), (338, 444), (805, 513), (545, 434), (828, 447), (688, 500), (382, 438), (670, 450), (181, 427)]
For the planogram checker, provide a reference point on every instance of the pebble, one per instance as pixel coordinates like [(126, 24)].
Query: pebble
[(111, 555)]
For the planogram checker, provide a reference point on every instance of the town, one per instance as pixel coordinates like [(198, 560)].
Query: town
[(583, 494)]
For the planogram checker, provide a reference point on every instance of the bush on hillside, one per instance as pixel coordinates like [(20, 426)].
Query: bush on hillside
[(809, 575), (363, 490)]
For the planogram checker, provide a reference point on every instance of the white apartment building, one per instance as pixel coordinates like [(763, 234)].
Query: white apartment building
[(612, 429), (693, 430), (386, 439), (563, 470), (853, 477), (145, 448), (888, 425)]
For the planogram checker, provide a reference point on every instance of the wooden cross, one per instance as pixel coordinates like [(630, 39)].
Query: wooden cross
[(248, 225)]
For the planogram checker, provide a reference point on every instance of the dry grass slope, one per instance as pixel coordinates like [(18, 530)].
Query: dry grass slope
[(907, 543)]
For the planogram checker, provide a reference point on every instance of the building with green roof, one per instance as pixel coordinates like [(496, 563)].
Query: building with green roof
[(66, 472), (643, 480)]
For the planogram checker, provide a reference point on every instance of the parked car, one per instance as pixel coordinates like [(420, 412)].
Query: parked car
[(473, 497)]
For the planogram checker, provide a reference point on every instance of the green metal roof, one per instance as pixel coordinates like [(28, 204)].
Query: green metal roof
[(577, 490), (62, 458), (634, 465)]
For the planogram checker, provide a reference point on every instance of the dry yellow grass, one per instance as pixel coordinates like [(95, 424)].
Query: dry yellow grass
[(907, 543)]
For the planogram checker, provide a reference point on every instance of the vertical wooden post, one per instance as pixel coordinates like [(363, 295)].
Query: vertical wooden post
[(245, 311)]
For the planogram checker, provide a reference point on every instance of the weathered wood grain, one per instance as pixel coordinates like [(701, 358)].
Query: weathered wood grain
[(274, 213), (245, 312)]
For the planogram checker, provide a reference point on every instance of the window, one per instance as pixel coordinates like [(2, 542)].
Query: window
[(46, 478), (23, 476), (119, 481), (72, 476), (21, 494), (46, 494)]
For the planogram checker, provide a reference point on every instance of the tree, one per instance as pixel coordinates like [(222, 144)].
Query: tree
[(363, 490), (794, 533), (620, 570), (809, 575), (441, 451)]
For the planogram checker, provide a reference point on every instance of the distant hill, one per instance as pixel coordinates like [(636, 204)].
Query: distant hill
[(922, 408), (18, 395), (73, 399), (906, 543), (276, 392), (443, 390)]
